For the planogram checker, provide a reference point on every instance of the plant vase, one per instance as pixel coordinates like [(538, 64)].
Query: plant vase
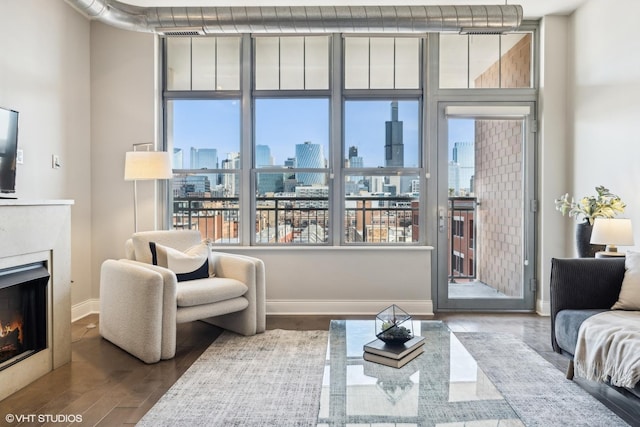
[(583, 237)]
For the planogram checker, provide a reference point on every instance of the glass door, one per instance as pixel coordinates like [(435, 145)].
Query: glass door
[(486, 207)]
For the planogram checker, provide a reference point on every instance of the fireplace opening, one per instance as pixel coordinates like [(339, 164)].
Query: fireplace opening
[(23, 312)]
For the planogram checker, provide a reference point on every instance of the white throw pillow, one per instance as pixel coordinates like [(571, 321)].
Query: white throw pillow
[(191, 264), (629, 298)]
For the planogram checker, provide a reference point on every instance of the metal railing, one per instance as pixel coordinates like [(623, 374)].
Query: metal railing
[(290, 219), (462, 237)]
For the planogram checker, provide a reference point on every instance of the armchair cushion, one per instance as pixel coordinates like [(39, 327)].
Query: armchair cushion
[(181, 241), (188, 265), (209, 290), (629, 297)]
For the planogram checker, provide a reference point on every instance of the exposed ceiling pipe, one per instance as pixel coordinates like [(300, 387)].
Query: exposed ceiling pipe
[(488, 19)]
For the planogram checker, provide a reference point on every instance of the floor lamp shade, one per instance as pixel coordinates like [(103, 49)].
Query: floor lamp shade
[(141, 165), (145, 165)]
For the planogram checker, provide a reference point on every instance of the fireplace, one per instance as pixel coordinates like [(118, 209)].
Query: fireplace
[(23, 312), (37, 234)]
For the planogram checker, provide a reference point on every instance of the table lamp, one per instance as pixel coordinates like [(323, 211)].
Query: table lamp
[(612, 232)]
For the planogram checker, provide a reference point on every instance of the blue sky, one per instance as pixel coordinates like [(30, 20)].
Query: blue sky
[(283, 123)]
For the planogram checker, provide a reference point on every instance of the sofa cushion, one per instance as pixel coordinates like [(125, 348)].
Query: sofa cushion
[(210, 290), (567, 325), (188, 265), (629, 297)]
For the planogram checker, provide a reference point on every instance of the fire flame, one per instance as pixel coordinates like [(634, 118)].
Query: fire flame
[(6, 329)]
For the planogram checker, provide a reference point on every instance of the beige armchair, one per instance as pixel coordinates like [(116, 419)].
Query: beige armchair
[(141, 303)]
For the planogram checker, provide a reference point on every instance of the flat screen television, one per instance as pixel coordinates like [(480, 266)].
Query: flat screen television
[(8, 150)]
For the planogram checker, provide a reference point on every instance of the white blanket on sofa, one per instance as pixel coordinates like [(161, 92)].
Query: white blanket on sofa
[(608, 347)]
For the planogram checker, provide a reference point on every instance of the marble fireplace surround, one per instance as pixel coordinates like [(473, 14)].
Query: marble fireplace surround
[(36, 231)]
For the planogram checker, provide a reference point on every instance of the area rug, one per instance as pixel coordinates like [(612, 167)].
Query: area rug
[(269, 379), (537, 391), (275, 379)]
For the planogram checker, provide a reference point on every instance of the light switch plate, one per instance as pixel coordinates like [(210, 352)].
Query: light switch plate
[(55, 161)]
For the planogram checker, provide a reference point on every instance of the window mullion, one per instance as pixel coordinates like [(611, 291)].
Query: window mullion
[(247, 207), (336, 150)]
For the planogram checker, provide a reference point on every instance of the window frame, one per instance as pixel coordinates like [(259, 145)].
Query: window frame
[(428, 95)]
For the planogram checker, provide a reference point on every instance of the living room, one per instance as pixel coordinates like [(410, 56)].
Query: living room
[(87, 92)]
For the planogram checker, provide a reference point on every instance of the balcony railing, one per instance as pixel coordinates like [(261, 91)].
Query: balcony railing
[(305, 220), (217, 218), (462, 237)]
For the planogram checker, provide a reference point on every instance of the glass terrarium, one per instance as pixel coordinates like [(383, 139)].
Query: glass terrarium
[(393, 325)]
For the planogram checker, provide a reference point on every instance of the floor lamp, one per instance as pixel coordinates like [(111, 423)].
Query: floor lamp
[(145, 165)]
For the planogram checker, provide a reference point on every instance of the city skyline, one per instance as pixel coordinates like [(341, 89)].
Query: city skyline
[(215, 124)]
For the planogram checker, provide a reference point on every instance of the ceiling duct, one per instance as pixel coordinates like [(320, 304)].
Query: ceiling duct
[(488, 19)]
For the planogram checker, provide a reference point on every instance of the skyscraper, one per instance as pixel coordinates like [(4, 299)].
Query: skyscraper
[(309, 155), (263, 156), (463, 154), (393, 146), (354, 160), (204, 158)]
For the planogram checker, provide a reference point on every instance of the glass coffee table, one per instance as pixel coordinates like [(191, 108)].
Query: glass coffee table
[(442, 387)]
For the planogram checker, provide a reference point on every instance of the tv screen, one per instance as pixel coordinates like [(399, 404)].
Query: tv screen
[(8, 149)]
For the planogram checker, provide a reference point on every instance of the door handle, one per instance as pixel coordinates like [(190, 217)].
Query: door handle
[(441, 218)]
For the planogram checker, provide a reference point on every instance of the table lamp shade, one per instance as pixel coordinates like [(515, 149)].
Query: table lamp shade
[(612, 232), (141, 165)]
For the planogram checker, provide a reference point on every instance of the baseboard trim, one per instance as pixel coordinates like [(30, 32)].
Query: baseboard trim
[(302, 307), (85, 308), (345, 307), (543, 308)]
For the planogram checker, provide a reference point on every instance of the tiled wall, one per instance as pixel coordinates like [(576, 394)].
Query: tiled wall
[(498, 181)]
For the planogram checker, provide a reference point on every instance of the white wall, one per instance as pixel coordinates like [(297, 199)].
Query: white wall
[(345, 280), (122, 114), (604, 103), (44, 74), (552, 151)]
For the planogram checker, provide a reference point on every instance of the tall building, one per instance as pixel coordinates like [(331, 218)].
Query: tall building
[(355, 161), (309, 155), (463, 155), (263, 156), (393, 145), (231, 181), (178, 158), (203, 158)]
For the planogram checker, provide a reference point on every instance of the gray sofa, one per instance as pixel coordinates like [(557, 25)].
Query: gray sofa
[(580, 288)]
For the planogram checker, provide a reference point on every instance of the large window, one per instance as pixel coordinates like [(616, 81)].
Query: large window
[(315, 139), (291, 170), (204, 136), (381, 176)]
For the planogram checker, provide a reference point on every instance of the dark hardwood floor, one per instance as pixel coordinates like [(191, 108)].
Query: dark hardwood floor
[(109, 387)]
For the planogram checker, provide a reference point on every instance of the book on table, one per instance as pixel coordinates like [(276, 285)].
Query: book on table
[(395, 363), (393, 351)]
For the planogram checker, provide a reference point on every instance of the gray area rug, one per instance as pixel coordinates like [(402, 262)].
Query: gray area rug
[(275, 379), (538, 392), (270, 379)]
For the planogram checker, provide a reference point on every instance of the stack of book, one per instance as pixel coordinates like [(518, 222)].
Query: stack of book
[(395, 355)]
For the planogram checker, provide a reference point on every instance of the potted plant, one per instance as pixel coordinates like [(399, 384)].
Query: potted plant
[(603, 205)]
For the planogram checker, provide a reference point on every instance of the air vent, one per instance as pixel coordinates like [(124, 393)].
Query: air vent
[(482, 31), (181, 32)]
